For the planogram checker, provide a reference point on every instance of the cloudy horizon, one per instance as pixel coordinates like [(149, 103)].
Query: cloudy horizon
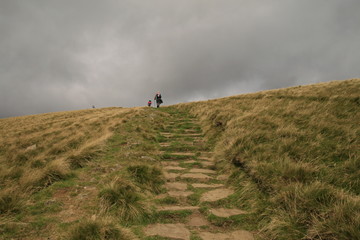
[(70, 55)]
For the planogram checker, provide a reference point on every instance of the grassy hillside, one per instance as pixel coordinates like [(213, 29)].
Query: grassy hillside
[(294, 157), (57, 169)]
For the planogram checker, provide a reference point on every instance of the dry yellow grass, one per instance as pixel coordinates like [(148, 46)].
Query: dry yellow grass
[(299, 147), (38, 150)]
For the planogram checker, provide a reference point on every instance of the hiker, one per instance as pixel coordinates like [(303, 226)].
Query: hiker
[(149, 103), (158, 99)]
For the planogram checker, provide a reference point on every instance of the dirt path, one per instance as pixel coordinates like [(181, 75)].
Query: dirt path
[(194, 189)]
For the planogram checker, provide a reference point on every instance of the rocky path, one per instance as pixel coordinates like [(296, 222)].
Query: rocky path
[(194, 189)]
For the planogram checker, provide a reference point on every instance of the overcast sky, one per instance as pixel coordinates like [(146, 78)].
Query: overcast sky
[(58, 55)]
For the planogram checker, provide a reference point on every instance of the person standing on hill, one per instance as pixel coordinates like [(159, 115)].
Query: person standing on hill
[(158, 99)]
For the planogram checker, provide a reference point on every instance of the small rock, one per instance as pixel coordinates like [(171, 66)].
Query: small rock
[(30, 148)]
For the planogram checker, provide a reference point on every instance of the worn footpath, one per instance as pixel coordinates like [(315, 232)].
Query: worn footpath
[(194, 188)]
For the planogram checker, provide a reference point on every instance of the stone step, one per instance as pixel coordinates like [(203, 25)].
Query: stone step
[(170, 177), (173, 231), (204, 185), (215, 195), (181, 194), (174, 168), (178, 186), (235, 235), (177, 208), (169, 163), (197, 176), (226, 212), (201, 170)]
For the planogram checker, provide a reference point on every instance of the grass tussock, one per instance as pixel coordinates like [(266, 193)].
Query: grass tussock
[(99, 230), (149, 177), (298, 149), (121, 198), (11, 201)]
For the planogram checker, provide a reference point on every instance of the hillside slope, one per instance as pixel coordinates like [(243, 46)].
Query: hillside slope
[(294, 156), (291, 157)]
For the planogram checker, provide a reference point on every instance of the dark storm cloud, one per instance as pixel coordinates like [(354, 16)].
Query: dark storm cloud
[(63, 55)]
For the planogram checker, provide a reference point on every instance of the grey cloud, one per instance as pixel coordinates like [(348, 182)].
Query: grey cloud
[(65, 55)]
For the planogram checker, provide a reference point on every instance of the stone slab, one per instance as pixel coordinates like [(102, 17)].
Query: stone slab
[(190, 161), (215, 195), (177, 208), (169, 163), (182, 154), (207, 163), (226, 212), (236, 235), (222, 177), (204, 185), (179, 193), (171, 176), (179, 186), (201, 170), (174, 231), (199, 176), (174, 168), (197, 220)]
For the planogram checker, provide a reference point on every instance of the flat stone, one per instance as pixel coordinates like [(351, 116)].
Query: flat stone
[(199, 176), (190, 135), (203, 185), (201, 170), (197, 220), (222, 177), (225, 212), (190, 161), (174, 168), (179, 193), (171, 176), (177, 208), (205, 158), (207, 163), (216, 194), (32, 147), (165, 144), (182, 154), (175, 231), (236, 235), (166, 134), (169, 163), (180, 186), (148, 158)]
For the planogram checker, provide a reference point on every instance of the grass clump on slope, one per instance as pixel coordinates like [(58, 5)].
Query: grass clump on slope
[(299, 148)]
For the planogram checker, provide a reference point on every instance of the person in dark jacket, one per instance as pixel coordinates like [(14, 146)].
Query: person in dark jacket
[(158, 99)]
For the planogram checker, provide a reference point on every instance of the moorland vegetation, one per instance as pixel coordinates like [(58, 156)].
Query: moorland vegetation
[(292, 155)]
